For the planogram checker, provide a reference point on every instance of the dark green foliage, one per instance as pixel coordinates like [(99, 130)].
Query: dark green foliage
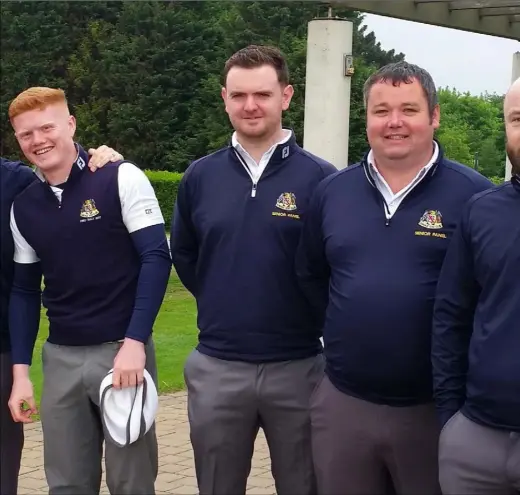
[(145, 77)]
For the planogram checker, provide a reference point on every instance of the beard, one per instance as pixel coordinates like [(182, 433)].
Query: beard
[(514, 157)]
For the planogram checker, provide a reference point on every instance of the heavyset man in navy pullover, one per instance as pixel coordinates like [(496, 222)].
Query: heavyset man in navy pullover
[(14, 178), (99, 241), (373, 244), (235, 231), (476, 338)]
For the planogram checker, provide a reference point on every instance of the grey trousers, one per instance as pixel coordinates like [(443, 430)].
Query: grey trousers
[(478, 460), (11, 433), (228, 401), (73, 434), (361, 448)]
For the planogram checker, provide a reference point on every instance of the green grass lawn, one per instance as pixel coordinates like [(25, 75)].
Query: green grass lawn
[(175, 336)]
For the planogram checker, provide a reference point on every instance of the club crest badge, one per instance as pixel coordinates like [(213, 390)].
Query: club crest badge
[(88, 210), (431, 219), (286, 202)]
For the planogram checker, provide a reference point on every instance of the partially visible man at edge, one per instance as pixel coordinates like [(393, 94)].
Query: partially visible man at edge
[(476, 337), (100, 244), (15, 176), (372, 248), (235, 229)]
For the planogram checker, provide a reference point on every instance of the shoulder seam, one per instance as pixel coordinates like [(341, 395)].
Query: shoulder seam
[(449, 165), (482, 194), (194, 164), (316, 160), (340, 173)]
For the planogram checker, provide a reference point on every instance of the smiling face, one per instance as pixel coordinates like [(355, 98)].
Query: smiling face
[(254, 100), (399, 124), (46, 136)]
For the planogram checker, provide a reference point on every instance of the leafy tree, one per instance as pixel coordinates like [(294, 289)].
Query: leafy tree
[(472, 127), (145, 77)]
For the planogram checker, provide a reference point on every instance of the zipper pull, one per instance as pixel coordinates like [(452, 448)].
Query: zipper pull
[(253, 191)]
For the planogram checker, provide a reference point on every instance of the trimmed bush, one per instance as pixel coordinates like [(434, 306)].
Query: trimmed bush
[(165, 185), (497, 180)]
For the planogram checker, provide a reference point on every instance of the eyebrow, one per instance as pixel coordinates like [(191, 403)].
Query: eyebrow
[(39, 127), (406, 104), (260, 91)]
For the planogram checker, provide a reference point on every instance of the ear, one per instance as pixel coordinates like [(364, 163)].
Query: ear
[(14, 126), (436, 117), (223, 93), (288, 93), (72, 125)]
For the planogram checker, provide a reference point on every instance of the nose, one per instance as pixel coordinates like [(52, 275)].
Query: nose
[(38, 138), (395, 119), (250, 104)]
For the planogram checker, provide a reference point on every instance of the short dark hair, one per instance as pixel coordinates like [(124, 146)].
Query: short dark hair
[(403, 72), (253, 56)]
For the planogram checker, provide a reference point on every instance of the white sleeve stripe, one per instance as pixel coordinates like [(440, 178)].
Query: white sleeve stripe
[(25, 259), (23, 252), (139, 205)]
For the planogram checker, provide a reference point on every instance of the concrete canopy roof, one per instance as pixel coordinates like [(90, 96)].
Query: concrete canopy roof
[(493, 17)]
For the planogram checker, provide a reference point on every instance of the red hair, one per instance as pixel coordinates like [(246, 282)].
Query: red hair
[(35, 99)]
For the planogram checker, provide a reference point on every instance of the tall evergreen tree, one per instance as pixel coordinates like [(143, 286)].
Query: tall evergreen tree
[(145, 77)]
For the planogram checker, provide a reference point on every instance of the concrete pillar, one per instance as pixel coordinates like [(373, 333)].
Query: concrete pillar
[(327, 89), (515, 76)]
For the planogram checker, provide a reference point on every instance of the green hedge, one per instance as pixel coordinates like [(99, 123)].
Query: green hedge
[(497, 180), (165, 185)]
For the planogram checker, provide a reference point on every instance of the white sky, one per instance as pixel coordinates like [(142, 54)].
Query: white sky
[(458, 59)]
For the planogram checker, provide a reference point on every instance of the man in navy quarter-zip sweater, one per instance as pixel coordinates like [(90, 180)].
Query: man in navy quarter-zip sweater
[(99, 241), (372, 248), (476, 337), (235, 230)]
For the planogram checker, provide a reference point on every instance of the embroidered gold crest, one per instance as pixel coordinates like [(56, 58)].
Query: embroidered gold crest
[(431, 219), (88, 210), (286, 201)]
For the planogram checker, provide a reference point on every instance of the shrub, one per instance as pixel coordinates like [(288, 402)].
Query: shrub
[(165, 185), (497, 180)]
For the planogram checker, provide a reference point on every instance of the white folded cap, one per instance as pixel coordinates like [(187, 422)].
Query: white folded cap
[(128, 413)]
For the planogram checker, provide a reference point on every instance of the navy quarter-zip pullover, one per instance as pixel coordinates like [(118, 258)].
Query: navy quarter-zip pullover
[(476, 329), (233, 242), (372, 279), (14, 178)]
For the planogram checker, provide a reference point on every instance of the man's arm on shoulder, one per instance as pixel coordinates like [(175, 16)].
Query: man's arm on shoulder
[(26, 176), (99, 157), (21, 175), (145, 223), (25, 299), (454, 309), (183, 239)]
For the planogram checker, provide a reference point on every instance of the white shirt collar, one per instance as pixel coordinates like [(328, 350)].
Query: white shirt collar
[(376, 175), (269, 152)]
